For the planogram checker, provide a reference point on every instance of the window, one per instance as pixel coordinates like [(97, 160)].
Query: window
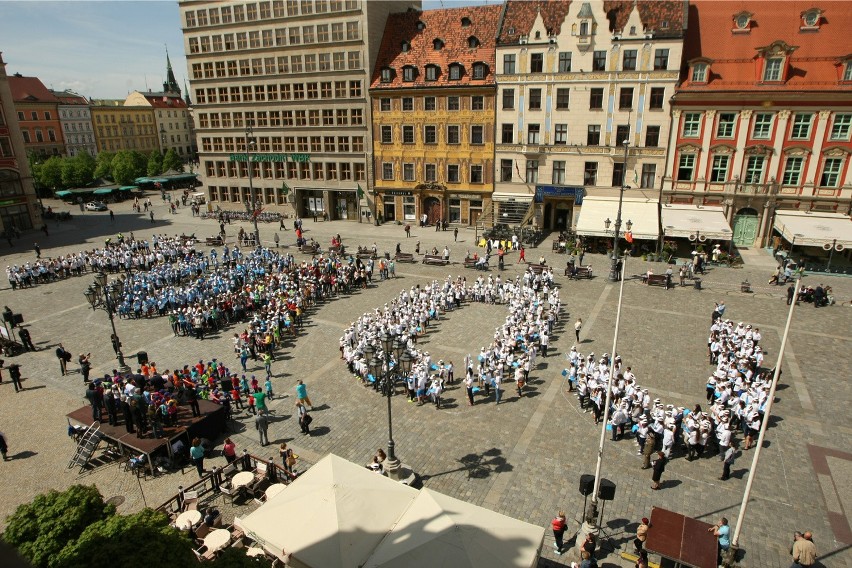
[(476, 174), (657, 96), (625, 98), (560, 134), (430, 134), (533, 134), (599, 61), (387, 135), (686, 167), (408, 73), (565, 62), (596, 99), (431, 172), (593, 135), (452, 134), (628, 62), (532, 171), (387, 75), (408, 135), (847, 72), (508, 98), (453, 103), (649, 176), (801, 126), (661, 59), (840, 127), (505, 170), (432, 72), (772, 69), (622, 133), (479, 70), (590, 173), (762, 126), (455, 72), (535, 99), (719, 170), (536, 62), (754, 169), (429, 103), (792, 171), (617, 174), (509, 63), (387, 171), (452, 173), (558, 173), (652, 136), (562, 98), (407, 103), (472, 42), (699, 73), (352, 31), (477, 134), (437, 44), (725, 128), (477, 102), (691, 124), (507, 134), (831, 172), (407, 172), (385, 104)]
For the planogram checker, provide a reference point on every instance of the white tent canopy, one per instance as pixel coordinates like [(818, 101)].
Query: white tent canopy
[(332, 516), (814, 229), (437, 530), (698, 220), (640, 211)]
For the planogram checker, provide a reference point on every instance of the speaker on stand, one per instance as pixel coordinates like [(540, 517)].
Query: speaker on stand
[(606, 492), (587, 485)]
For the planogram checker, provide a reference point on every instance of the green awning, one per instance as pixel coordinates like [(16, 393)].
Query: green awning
[(141, 180), (127, 188), (104, 191), (157, 180), (63, 193), (180, 177)]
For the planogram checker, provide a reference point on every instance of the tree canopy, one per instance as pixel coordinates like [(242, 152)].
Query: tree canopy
[(155, 163), (172, 161)]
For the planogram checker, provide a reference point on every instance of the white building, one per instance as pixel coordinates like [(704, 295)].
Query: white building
[(75, 117)]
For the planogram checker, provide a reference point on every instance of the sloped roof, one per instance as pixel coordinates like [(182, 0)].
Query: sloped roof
[(520, 17), (166, 101), (70, 97), (30, 90), (666, 19), (734, 55), (446, 25)]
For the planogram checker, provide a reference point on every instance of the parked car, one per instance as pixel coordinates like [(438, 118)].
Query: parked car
[(96, 206)]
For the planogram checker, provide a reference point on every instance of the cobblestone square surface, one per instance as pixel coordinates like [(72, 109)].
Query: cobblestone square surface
[(523, 458)]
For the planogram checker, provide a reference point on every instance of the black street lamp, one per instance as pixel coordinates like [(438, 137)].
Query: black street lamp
[(613, 269), (394, 364), (101, 295), (253, 209)]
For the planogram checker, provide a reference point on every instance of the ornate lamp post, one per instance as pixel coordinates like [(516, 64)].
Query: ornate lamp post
[(253, 209), (613, 269), (101, 295), (386, 371)]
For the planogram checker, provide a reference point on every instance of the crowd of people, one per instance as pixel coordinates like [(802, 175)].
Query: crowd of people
[(533, 305)]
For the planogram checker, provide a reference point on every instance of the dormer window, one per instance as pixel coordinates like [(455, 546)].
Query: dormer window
[(405, 47), (420, 26), (847, 72), (432, 72), (633, 30), (742, 22), (699, 73), (537, 35), (584, 28), (811, 19), (775, 57), (480, 70), (409, 72), (772, 70), (664, 25), (465, 22), (511, 31), (438, 44), (472, 42), (456, 72), (387, 74)]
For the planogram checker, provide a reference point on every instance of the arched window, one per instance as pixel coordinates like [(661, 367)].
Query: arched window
[(473, 41), (438, 44)]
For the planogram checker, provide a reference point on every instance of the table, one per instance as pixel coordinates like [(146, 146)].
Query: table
[(274, 490), (217, 539), (188, 519), (242, 479), (254, 551)]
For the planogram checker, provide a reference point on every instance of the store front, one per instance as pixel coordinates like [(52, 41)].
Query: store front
[(333, 204), (558, 204)]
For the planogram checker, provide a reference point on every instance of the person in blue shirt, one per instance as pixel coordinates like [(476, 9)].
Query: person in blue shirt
[(196, 452), (722, 531)]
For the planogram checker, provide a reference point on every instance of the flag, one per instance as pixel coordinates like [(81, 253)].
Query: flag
[(360, 192), (284, 189), (628, 236)]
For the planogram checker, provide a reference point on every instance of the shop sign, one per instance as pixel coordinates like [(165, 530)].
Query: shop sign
[(398, 192), (301, 158), (542, 191)]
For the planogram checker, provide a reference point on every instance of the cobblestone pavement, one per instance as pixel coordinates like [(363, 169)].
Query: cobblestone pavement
[(523, 458)]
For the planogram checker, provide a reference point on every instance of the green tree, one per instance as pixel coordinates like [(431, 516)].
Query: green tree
[(140, 163), (42, 528), (123, 169), (155, 164), (103, 165), (129, 541), (172, 161), (236, 558), (78, 171), (86, 165), (50, 173)]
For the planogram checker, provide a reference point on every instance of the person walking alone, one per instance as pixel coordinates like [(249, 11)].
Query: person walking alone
[(196, 452), (659, 468), (302, 394), (728, 460), (262, 425), (577, 327), (559, 527)]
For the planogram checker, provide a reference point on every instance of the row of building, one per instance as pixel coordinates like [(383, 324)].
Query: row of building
[(524, 111)]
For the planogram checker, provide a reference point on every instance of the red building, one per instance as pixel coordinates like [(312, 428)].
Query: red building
[(761, 119), (38, 115)]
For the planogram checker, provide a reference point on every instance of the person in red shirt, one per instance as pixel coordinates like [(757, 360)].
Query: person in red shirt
[(559, 527)]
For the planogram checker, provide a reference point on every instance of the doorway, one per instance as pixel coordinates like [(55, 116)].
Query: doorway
[(745, 227), (432, 209)]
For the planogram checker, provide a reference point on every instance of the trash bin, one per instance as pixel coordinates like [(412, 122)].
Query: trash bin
[(142, 357), (697, 283)]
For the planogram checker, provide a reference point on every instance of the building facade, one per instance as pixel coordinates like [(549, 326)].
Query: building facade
[(38, 116), (291, 79), (121, 127), (19, 206), (75, 116), (432, 98), (763, 115), (575, 81)]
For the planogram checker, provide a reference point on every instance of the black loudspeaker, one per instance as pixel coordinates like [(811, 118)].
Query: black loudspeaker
[(142, 357), (18, 318), (587, 484), (607, 490)]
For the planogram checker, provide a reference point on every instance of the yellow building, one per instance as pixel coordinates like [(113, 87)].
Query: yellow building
[(432, 97), (119, 127)]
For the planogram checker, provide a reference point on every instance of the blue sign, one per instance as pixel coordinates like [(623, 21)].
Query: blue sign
[(542, 191)]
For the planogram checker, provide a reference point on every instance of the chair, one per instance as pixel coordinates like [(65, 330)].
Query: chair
[(228, 490), (202, 531), (190, 501), (229, 470), (260, 469)]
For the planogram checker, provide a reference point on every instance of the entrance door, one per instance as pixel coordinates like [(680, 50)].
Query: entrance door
[(432, 208), (745, 227), (342, 210), (562, 219), (473, 216)]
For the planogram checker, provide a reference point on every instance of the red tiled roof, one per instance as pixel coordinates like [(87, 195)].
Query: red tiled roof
[(445, 25), (166, 102), (70, 98), (520, 17), (735, 60), (664, 18), (30, 90)]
